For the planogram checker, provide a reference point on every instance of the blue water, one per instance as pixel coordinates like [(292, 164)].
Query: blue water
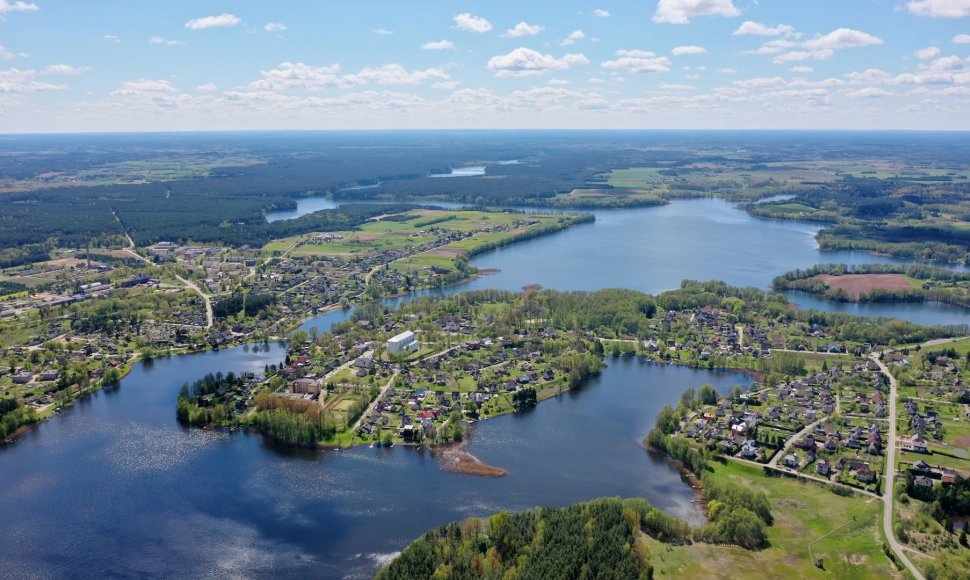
[(116, 487)]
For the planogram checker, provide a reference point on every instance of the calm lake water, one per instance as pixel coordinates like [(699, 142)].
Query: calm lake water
[(115, 487), (653, 249)]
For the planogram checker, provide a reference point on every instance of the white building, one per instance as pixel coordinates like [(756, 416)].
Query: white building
[(402, 343)]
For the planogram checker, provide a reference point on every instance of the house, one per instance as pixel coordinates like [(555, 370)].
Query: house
[(949, 477), (306, 386), (922, 467), (915, 444), (823, 467), (51, 375), (922, 481), (865, 475), (22, 378), (791, 461), (403, 343)]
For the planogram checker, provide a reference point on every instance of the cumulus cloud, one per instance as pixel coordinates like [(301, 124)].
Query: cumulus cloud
[(438, 45), (382, 32), (927, 53), (752, 28), (6, 7), (523, 29), (142, 87), (573, 38), (688, 49), (274, 27), (64, 69), (24, 81), (164, 41), (638, 61), (681, 11), (940, 8), (842, 38), (801, 69), (961, 39), (868, 93), (298, 75), (601, 13), (223, 20), (822, 47), (111, 38), (761, 83), (472, 23), (206, 88), (527, 62), (800, 55)]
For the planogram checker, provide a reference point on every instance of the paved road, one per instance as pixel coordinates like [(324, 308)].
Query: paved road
[(887, 494), (205, 298), (791, 441)]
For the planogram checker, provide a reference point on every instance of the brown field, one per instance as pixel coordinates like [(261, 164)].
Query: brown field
[(445, 252), (856, 284)]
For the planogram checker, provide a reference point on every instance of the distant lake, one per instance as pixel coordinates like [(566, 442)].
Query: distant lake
[(462, 172), (653, 249)]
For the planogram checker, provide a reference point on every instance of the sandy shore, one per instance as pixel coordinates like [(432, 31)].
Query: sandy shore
[(457, 460)]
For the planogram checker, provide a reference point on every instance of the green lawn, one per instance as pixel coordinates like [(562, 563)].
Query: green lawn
[(803, 512)]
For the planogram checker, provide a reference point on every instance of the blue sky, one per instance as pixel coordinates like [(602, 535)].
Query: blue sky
[(113, 65)]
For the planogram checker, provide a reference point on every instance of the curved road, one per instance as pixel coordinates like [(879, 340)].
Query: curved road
[(887, 493)]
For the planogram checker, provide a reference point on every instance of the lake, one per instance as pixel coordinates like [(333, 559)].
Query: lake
[(653, 249), (116, 487)]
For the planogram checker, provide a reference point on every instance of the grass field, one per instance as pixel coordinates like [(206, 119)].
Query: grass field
[(803, 512)]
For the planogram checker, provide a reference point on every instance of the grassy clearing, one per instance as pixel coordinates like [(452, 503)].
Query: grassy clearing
[(803, 512)]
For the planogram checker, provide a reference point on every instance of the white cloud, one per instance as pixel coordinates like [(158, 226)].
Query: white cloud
[(801, 69), (800, 55), (24, 81), (727, 71), (222, 20), (638, 61), (761, 83), (439, 45), (382, 32), (775, 46), (446, 85), (868, 93), (289, 75), (681, 11), (688, 49), (144, 87), (601, 13), (65, 69), (523, 29), (872, 76), (7, 7), (940, 8), (165, 41), (574, 36), (274, 27), (675, 87), (6, 54), (111, 38), (750, 27), (206, 88), (527, 62), (472, 23), (961, 39), (842, 38), (927, 53)]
